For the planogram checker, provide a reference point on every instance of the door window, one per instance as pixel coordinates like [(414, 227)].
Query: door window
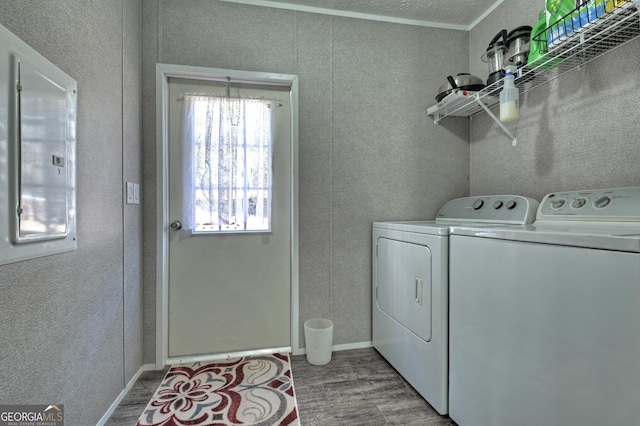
[(229, 179)]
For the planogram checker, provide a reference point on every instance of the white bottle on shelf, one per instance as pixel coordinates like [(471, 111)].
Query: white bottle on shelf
[(509, 97)]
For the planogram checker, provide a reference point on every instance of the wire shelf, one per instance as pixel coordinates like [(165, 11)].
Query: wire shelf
[(581, 42)]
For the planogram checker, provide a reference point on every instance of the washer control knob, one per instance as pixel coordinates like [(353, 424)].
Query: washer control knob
[(557, 204), (477, 204), (497, 204), (602, 202), (578, 203), (511, 204)]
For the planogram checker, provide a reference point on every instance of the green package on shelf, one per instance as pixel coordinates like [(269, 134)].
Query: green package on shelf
[(538, 56), (558, 19)]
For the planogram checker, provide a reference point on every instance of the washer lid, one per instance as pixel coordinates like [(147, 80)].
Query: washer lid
[(617, 237)]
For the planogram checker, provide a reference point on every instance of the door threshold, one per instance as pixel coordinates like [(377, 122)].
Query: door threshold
[(216, 357)]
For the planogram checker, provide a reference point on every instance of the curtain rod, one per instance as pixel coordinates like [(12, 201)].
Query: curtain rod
[(228, 78), (278, 101)]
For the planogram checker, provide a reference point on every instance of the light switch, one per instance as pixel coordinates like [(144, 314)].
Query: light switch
[(136, 193), (130, 192)]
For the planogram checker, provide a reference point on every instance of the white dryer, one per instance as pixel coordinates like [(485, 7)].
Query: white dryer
[(411, 287), (545, 320)]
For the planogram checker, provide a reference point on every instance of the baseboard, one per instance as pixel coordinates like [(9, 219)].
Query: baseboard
[(125, 391), (343, 347), (357, 345)]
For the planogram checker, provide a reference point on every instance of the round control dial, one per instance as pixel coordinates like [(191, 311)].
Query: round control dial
[(477, 204), (578, 203), (511, 204), (497, 204), (602, 202), (557, 204)]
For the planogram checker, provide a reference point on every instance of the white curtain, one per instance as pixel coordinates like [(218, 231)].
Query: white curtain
[(227, 157)]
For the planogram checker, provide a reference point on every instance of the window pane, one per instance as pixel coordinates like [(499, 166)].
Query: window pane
[(232, 152)]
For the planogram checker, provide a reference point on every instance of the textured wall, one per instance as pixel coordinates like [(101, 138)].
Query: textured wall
[(132, 172), (150, 52), (367, 149), (61, 316), (577, 132)]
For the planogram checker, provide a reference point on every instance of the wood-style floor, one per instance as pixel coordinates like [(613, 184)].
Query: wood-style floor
[(358, 387)]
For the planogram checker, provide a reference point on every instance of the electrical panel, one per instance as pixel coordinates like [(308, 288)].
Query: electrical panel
[(37, 154)]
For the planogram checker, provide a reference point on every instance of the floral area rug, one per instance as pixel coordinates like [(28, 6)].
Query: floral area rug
[(251, 390)]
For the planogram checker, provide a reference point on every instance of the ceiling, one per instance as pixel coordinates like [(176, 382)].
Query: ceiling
[(455, 14)]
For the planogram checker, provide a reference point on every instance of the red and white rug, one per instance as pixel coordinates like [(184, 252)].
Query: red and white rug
[(251, 390)]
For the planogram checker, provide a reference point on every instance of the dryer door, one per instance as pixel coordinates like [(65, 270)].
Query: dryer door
[(404, 284)]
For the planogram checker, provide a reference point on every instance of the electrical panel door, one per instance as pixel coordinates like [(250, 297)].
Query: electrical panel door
[(41, 210), (37, 154)]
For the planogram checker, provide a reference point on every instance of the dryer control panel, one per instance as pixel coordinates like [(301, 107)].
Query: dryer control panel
[(498, 209), (606, 205)]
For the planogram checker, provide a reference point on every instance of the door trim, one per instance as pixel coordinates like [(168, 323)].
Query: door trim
[(163, 73)]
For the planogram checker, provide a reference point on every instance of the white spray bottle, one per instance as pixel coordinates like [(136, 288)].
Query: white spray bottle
[(509, 97)]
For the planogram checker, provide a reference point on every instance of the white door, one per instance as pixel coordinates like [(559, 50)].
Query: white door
[(229, 280)]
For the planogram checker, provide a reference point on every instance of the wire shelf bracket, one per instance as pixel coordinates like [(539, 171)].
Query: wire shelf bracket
[(500, 123)]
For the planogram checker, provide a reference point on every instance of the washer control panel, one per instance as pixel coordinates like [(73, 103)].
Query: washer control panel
[(603, 204), (511, 209)]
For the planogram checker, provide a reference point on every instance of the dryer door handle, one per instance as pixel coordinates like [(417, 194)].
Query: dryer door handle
[(419, 291)]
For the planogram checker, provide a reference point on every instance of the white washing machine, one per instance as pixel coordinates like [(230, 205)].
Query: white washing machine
[(545, 321), (411, 287)]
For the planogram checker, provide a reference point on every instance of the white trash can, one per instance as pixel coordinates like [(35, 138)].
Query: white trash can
[(318, 336)]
